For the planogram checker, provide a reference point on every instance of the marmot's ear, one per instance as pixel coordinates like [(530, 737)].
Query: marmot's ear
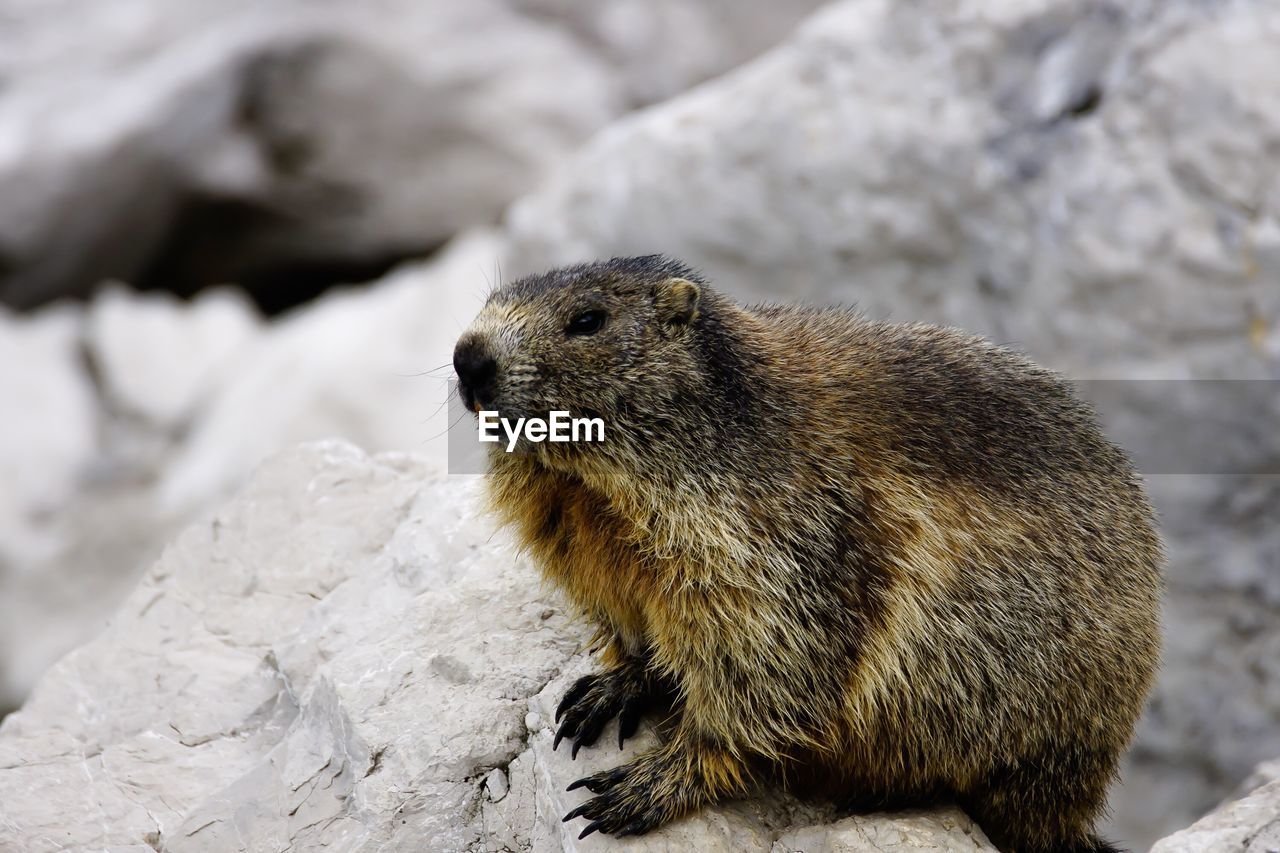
[(676, 300)]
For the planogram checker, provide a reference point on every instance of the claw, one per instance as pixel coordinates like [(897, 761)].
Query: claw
[(577, 745), (573, 694), (587, 732), (598, 783), (568, 729), (591, 827), (628, 721), (578, 812)]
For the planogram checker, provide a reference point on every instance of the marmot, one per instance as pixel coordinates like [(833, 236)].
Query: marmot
[(898, 558)]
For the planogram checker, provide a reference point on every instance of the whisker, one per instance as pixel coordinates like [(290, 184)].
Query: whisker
[(446, 429), (425, 372), (437, 409)]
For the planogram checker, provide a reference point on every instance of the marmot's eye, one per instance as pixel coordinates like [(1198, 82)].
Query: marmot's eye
[(586, 323)]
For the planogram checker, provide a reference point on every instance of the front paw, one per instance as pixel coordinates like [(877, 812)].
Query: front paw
[(626, 802), (594, 700)]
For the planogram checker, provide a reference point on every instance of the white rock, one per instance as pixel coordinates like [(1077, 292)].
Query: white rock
[(496, 785), (48, 430), (343, 656), (159, 358), (370, 365), (196, 397), (1248, 825), (926, 166), (948, 830), (1264, 773), (659, 48), (48, 443), (346, 132), (326, 133)]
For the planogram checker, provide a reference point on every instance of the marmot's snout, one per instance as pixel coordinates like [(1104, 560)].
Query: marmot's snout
[(477, 371)]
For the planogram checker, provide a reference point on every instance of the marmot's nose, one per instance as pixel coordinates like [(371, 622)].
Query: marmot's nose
[(476, 369)]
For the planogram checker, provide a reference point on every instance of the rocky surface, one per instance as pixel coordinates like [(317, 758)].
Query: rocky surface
[(198, 142), (195, 142), (1053, 173), (133, 417), (1248, 825), (659, 48), (346, 656), (50, 420), (158, 359), (1264, 773)]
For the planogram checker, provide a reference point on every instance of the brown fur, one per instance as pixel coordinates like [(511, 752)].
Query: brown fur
[(893, 556)]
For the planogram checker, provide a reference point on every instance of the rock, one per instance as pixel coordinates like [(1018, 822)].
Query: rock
[(180, 144), (158, 358), (1248, 825), (48, 433), (946, 165), (1264, 773), (371, 366), (197, 142), (191, 398), (48, 443), (1085, 180), (496, 785), (946, 830), (346, 655), (659, 48)]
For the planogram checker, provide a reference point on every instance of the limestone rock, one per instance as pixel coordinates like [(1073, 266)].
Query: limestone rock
[(1248, 825), (198, 141), (47, 435), (945, 830), (158, 358), (191, 398), (1264, 773), (48, 444), (225, 141), (371, 366), (345, 656), (659, 48), (1024, 170)]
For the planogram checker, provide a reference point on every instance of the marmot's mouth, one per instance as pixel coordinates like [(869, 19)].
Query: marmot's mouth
[(469, 398)]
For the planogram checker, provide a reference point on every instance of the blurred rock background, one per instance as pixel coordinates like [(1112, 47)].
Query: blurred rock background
[(229, 227)]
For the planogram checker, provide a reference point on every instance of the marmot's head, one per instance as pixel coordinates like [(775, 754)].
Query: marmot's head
[(583, 339)]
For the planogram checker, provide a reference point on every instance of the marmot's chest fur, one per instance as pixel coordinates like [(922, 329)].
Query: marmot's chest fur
[(587, 548)]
